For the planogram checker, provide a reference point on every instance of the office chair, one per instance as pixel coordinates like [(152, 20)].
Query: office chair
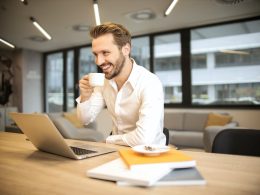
[(237, 141), (166, 133)]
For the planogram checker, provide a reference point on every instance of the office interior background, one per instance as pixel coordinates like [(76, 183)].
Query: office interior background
[(206, 52)]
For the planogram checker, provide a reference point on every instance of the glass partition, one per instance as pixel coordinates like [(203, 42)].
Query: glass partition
[(70, 80), (167, 65), (141, 51), (86, 61), (226, 64), (54, 82)]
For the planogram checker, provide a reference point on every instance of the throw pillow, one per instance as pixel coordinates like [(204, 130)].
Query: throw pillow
[(72, 117), (218, 119)]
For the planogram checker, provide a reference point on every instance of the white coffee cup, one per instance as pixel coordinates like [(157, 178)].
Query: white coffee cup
[(96, 79)]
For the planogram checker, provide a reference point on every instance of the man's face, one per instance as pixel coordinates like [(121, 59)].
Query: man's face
[(107, 55)]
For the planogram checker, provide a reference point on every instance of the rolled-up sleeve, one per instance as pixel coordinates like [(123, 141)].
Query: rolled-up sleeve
[(87, 111)]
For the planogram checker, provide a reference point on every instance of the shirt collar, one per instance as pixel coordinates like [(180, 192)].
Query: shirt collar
[(133, 77)]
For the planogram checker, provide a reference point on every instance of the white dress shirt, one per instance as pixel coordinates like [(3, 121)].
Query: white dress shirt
[(137, 109)]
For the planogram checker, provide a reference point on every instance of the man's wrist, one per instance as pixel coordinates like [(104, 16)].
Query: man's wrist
[(115, 139), (83, 99)]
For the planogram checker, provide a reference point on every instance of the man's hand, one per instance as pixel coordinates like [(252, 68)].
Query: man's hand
[(85, 89)]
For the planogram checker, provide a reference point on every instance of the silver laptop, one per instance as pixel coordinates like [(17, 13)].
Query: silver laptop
[(46, 137)]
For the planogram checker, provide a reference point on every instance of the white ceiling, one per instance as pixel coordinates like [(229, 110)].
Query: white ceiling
[(59, 16)]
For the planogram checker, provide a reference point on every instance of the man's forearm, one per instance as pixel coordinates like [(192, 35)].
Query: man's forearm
[(87, 111)]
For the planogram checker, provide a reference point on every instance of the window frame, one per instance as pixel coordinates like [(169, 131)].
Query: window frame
[(185, 34)]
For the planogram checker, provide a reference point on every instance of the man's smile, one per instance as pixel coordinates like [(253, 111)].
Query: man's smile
[(106, 67)]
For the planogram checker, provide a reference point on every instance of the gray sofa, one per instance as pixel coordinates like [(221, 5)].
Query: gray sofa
[(187, 129), (70, 131)]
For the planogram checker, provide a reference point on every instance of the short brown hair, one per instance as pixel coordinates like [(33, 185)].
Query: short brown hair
[(120, 34)]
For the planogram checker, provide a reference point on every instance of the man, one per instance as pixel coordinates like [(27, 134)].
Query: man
[(132, 94)]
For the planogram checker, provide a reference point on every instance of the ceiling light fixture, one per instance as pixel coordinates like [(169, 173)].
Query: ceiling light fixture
[(7, 43), (142, 15), (25, 2), (81, 28), (96, 11), (37, 25), (170, 8), (38, 38)]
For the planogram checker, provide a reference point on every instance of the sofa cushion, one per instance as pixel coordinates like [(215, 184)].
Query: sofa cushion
[(215, 119), (186, 139), (62, 124), (68, 130), (72, 117), (173, 120), (195, 121)]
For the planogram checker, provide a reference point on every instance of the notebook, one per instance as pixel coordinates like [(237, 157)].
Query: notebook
[(172, 159), (116, 170), (46, 137), (177, 177)]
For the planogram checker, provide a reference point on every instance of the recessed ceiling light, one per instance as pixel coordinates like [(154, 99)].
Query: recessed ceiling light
[(81, 28), (142, 15), (38, 38)]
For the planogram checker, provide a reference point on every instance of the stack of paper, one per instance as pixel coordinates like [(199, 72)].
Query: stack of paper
[(177, 177), (116, 170), (170, 168)]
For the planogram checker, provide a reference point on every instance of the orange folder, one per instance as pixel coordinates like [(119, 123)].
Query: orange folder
[(173, 159)]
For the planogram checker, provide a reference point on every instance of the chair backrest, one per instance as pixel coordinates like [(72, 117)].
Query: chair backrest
[(166, 133), (237, 141)]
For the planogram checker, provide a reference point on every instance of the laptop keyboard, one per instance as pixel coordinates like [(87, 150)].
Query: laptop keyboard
[(81, 151)]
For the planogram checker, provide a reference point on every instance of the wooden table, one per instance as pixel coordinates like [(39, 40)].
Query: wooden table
[(24, 170)]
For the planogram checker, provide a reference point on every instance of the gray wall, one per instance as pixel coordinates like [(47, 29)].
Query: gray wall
[(28, 81), (33, 82)]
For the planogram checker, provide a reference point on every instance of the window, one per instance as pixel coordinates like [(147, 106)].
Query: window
[(231, 74), (141, 51), (54, 85), (199, 61), (221, 66), (242, 57), (70, 80), (167, 65), (86, 62)]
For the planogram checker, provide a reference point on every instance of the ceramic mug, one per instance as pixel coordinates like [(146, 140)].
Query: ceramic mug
[(96, 79)]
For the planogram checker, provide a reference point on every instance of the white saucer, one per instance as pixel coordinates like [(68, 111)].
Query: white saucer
[(155, 149)]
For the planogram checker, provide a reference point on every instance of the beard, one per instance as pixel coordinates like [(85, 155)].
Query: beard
[(117, 67)]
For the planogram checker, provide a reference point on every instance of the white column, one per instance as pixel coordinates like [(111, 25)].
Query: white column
[(211, 93), (210, 61), (210, 66)]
